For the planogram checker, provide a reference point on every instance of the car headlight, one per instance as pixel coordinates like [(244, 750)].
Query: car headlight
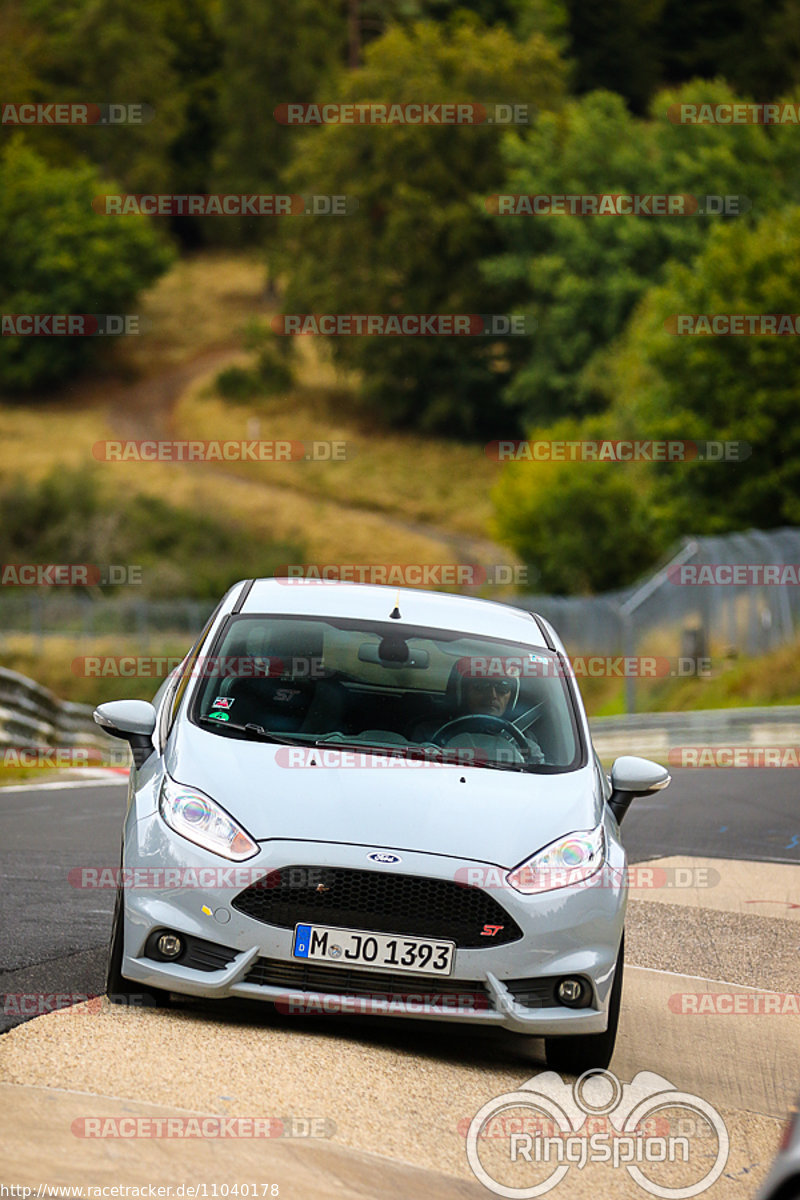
[(199, 819), (570, 860)]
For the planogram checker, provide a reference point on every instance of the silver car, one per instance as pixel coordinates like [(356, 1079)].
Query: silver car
[(355, 799), (783, 1180)]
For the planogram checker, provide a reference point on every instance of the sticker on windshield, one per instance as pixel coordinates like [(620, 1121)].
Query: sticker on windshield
[(223, 702), (219, 716)]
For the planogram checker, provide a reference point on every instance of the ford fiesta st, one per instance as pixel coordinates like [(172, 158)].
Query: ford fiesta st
[(351, 798)]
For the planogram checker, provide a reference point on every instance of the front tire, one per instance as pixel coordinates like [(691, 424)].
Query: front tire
[(119, 989), (572, 1055)]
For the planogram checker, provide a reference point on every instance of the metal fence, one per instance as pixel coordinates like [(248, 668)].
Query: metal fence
[(44, 613), (30, 715), (720, 617), (725, 613)]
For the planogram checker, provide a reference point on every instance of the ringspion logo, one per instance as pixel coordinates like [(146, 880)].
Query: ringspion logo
[(671, 1143)]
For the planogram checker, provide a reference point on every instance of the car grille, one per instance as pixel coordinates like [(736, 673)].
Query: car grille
[(310, 977), (378, 901), (534, 993)]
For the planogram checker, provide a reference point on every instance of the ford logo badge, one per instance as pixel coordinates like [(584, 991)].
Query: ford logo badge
[(379, 856)]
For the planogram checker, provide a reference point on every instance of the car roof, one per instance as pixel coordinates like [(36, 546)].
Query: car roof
[(434, 610)]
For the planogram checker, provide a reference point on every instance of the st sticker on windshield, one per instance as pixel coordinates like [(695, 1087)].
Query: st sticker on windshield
[(219, 716), (223, 702)]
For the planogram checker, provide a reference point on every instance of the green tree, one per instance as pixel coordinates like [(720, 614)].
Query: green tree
[(581, 527), (58, 256), (421, 225), (719, 388), (109, 51), (273, 54), (581, 277)]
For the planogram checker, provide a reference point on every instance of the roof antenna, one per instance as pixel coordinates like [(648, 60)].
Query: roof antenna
[(394, 615)]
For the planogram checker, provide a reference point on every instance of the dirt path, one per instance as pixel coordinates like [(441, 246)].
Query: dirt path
[(145, 409)]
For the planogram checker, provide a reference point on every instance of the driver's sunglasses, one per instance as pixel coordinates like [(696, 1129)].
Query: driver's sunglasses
[(501, 686)]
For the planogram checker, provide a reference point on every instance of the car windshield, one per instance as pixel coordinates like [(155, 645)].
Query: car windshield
[(376, 687)]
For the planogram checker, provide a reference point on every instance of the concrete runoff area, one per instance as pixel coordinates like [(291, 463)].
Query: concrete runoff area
[(398, 1095)]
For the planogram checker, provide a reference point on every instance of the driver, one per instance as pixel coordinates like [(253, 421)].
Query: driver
[(493, 697), (490, 696)]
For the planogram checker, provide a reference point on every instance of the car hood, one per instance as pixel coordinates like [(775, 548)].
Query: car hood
[(475, 813)]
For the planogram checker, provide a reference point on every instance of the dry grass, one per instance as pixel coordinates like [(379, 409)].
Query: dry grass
[(205, 301), (418, 480)]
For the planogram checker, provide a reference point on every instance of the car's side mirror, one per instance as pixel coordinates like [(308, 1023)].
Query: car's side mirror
[(133, 720), (632, 777)]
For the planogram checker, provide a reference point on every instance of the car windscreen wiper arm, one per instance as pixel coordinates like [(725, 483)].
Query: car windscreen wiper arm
[(255, 733), (408, 752)]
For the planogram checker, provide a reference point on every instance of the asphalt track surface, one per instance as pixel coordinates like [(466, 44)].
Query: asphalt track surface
[(53, 937)]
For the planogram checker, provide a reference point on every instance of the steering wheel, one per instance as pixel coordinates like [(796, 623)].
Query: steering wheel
[(481, 723)]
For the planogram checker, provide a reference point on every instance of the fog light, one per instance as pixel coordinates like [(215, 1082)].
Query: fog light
[(169, 945), (573, 993)]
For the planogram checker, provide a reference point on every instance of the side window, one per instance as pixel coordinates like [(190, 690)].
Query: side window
[(183, 676), (605, 783)]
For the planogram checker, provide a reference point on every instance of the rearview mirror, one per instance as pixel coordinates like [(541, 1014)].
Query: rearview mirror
[(385, 655), (133, 720), (630, 777)]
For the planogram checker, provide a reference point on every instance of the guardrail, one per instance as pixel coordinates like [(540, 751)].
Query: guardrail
[(654, 735), (30, 715)]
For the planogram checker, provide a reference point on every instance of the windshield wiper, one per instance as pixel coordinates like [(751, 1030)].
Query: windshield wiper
[(407, 752), (253, 732)]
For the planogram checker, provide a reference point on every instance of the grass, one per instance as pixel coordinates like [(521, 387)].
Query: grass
[(397, 499), (733, 682), (203, 303), (411, 478), (59, 664), (744, 683)]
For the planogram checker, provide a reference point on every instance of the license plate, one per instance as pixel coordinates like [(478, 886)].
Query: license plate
[(357, 948)]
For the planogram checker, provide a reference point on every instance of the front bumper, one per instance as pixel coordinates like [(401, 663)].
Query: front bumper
[(574, 931)]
